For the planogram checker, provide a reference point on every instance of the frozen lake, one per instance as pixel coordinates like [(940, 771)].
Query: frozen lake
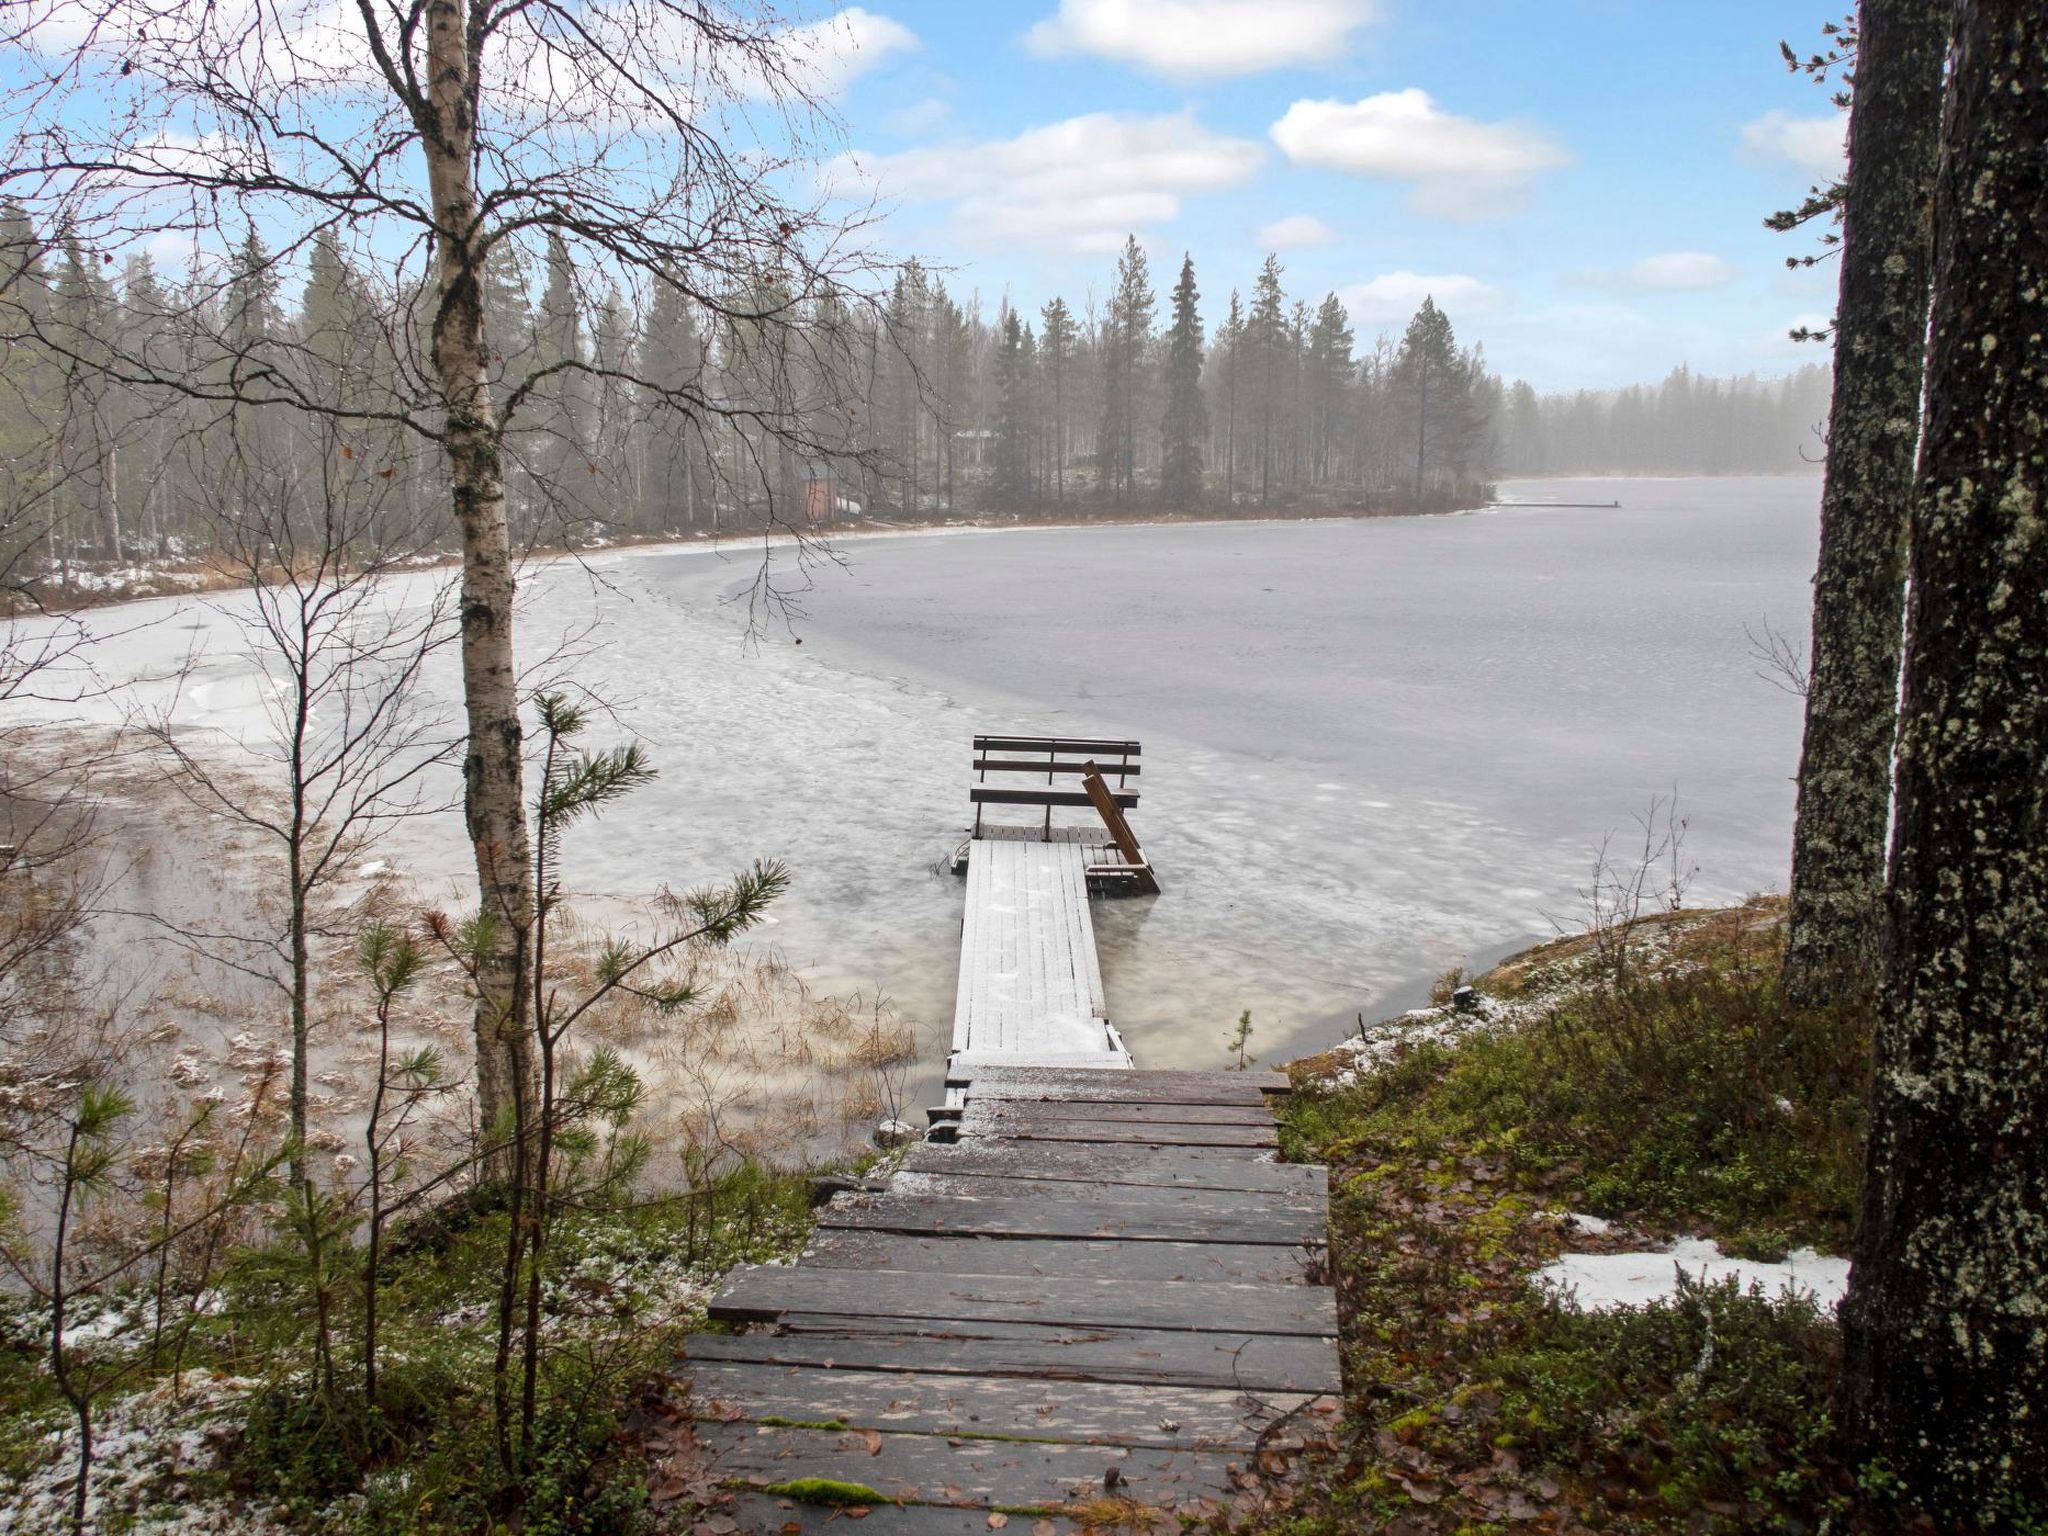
[(1372, 749)]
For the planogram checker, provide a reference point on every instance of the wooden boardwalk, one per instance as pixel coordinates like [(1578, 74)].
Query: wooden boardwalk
[(1101, 1296), (1105, 1288)]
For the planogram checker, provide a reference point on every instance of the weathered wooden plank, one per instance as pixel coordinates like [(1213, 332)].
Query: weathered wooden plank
[(1023, 1123), (1100, 1413), (1249, 1263), (1141, 1087), (761, 1293), (1305, 1199), (1059, 745), (1003, 794), (1266, 1362), (1135, 1166), (930, 1469), (1088, 1061), (1043, 766), (1225, 1216), (761, 1514), (1119, 1112)]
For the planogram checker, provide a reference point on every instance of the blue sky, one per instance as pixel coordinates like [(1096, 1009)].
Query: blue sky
[(1580, 182)]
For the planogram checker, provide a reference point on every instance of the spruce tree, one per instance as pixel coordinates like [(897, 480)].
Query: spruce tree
[(1186, 421), (1009, 481), (1265, 347), (1329, 371), (1126, 341), (1056, 354)]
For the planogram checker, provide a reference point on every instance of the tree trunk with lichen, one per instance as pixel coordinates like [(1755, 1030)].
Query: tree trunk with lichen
[(1835, 927), (1945, 1324), (494, 800)]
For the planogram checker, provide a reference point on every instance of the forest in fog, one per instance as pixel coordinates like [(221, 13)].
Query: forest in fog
[(141, 404)]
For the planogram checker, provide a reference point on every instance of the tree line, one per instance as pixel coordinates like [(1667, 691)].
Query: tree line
[(120, 391)]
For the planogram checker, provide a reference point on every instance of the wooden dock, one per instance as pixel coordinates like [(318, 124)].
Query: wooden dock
[(1102, 1296)]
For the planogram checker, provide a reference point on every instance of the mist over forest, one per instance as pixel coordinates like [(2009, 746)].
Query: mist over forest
[(651, 412)]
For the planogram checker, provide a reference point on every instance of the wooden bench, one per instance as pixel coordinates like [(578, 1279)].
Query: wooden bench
[(1016, 760)]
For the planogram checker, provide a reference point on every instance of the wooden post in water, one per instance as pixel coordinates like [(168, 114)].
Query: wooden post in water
[(1119, 829)]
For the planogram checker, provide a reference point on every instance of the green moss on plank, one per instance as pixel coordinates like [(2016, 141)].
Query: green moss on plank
[(825, 1490)]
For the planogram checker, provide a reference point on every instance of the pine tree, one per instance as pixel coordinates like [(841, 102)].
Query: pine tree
[(1945, 1357), (1186, 421), (1835, 919), (1265, 347), (672, 358), (1434, 382), (1231, 345), (1056, 355), (1009, 484), (1126, 341), (1329, 373)]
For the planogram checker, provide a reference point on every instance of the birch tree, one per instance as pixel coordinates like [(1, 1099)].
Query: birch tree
[(429, 136), (1838, 848), (1946, 1356)]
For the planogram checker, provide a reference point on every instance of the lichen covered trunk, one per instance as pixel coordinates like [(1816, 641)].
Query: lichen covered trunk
[(1946, 1322), (1836, 921), (493, 787)]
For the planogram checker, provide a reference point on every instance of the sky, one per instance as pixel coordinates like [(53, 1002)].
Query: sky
[(1580, 184)]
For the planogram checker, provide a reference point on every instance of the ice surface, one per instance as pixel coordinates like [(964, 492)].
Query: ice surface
[(1600, 1280), (1372, 749)]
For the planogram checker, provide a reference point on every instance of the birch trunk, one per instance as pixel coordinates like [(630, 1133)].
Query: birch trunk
[(1835, 926), (1946, 1368), (493, 787)]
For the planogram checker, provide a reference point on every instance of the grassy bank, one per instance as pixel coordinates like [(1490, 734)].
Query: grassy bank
[(1655, 1079)]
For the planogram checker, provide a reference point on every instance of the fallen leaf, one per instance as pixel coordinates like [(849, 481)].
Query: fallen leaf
[(1045, 1528), (998, 1520), (874, 1442)]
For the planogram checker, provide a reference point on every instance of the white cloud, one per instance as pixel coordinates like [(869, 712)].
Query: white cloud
[(1294, 231), (1081, 184), (919, 117), (1203, 39), (827, 56), (1817, 145), (1681, 269), (1459, 167), (1395, 296)]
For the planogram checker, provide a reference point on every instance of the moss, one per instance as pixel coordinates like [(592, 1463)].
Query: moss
[(777, 1421), (825, 1490)]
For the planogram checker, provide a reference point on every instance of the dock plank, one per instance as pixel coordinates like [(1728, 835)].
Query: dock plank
[(1104, 1258), (764, 1293), (1028, 1122), (1102, 1413), (1254, 1362), (1306, 1198), (1135, 1166), (1234, 1216), (985, 1474)]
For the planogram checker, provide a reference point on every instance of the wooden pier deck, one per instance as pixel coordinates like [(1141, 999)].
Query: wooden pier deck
[(1030, 984), (1102, 1296), (1105, 1289)]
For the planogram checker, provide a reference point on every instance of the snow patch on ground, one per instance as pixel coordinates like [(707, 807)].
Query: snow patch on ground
[(145, 1447), (1597, 1281)]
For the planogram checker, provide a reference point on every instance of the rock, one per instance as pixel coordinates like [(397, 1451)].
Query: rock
[(894, 1133)]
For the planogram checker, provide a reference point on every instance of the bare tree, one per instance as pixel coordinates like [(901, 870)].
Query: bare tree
[(429, 134), (352, 736)]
